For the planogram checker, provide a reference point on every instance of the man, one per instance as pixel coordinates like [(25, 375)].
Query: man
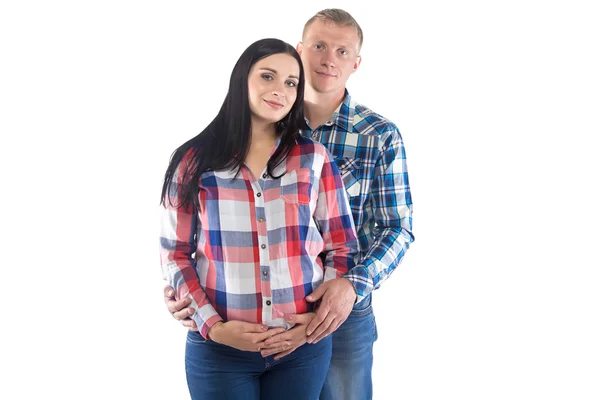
[(370, 155)]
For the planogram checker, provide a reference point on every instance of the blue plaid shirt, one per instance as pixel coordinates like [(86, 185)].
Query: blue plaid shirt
[(370, 156)]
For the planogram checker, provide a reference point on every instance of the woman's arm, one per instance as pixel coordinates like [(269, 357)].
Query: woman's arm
[(334, 218), (178, 241)]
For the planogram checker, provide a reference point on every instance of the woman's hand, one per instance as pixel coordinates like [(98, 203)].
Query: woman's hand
[(285, 343), (241, 335)]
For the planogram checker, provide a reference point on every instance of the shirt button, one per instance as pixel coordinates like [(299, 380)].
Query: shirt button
[(261, 220), (268, 302), (258, 194), (265, 273), (263, 246)]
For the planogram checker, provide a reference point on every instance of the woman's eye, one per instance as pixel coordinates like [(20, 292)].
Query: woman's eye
[(267, 77)]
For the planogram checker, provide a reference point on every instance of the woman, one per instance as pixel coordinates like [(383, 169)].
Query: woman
[(255, 218)]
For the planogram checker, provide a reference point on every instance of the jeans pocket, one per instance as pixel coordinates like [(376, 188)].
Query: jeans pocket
[(195, 338), (362, 308)]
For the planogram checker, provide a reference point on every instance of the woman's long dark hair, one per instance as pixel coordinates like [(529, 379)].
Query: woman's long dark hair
[(225, 142)]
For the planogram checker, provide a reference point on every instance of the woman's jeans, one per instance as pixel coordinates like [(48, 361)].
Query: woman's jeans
[(215, 371)]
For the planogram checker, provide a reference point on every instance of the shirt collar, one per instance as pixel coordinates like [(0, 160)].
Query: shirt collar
[(343, 116)]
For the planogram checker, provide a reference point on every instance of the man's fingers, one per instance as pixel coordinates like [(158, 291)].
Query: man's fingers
[(169, 292), (183, 314), (320, 329), (334, 325), (317, 320), (177, 305), (189, 323), (317, 293)]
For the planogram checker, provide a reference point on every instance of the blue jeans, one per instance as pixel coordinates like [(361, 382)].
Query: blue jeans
[(215, 371), (349, 375)]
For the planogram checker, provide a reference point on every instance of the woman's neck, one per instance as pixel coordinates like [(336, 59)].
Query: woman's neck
[(262, 132)]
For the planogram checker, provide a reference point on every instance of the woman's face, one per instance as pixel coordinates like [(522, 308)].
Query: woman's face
[(273, 87)]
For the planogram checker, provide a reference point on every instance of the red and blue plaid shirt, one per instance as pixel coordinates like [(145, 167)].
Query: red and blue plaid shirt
[(257, 247)]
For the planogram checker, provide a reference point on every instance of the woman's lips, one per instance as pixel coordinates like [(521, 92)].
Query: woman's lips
[(274, 104)]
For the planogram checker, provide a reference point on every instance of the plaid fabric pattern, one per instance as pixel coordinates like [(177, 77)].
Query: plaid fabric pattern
[(370, 155), (257, 247)]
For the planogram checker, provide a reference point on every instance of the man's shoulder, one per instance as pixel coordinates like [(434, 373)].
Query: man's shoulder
[(365, 121)]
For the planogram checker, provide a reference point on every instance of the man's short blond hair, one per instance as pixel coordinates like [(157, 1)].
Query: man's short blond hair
[(338, 17)]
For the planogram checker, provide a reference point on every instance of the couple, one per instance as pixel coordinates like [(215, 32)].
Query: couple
[(272, 240)]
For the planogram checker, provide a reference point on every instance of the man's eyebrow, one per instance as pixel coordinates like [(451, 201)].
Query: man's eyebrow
[(342, 44)]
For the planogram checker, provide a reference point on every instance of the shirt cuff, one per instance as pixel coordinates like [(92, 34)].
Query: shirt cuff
[(210, 318), (362, 282)]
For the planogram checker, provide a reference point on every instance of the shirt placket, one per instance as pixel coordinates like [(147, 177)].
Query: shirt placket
[(263, 252)]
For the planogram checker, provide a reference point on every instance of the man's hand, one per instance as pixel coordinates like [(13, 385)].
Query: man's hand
[(337, 299), (285, 343), (241, 335), (179, 309)]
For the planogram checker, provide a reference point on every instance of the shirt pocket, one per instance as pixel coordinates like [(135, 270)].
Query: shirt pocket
[(351, 173), (296, 186)]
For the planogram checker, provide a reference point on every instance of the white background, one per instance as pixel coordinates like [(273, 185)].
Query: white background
[(498, 104)]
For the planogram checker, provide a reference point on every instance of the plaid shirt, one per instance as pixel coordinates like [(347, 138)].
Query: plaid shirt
[(370, 156), (257, 248)]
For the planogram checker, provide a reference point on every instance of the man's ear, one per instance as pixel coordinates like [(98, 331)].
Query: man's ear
[(357, 63), (299, 47)]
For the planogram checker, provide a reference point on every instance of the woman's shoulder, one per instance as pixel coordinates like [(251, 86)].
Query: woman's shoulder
[(308, 145)]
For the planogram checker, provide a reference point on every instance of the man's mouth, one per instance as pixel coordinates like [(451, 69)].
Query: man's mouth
[(326, 75)]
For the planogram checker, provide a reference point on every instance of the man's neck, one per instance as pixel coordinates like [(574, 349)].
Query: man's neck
[(319, 107)]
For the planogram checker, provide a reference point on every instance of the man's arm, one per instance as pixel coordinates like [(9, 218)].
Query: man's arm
[(392, 204)]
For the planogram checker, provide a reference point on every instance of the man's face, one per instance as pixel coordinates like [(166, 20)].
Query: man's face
[(330, 54)]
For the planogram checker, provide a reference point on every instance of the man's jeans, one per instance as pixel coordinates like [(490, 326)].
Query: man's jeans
[(349, 375), (215, 371)]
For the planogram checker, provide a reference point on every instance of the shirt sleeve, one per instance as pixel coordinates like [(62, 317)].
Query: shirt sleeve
[(333, 216), (179, 227), (392, 206)]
